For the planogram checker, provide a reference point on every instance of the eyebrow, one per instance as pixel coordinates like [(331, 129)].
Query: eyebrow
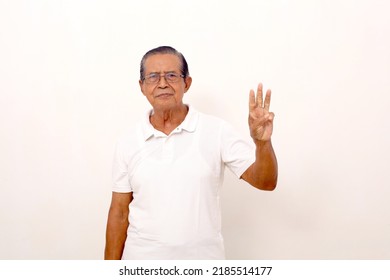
[(154, 73)]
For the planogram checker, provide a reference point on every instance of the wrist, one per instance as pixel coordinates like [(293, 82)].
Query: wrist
[(261, 143)]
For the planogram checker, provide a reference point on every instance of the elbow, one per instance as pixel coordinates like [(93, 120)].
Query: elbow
[(261, 181), (266, 187), (119, 215), (269, 185)]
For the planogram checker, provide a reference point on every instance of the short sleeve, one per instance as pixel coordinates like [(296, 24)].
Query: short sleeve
[(120, 172), (237, 153)]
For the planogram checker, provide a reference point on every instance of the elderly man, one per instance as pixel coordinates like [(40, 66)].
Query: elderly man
[(169, 168)]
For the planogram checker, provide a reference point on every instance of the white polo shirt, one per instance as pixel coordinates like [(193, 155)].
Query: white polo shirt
[(176, 180)]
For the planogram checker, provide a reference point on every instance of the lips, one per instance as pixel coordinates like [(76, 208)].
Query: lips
[(164, 95)]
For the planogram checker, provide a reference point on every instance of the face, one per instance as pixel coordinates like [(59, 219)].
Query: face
[(164, 95)]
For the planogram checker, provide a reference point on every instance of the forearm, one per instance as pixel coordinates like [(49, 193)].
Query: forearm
[(116, 235), (263, 173)]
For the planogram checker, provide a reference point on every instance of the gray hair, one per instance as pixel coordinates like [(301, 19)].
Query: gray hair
[(164, 50)]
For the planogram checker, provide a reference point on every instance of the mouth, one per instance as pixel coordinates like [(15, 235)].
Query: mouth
[(164, 95)]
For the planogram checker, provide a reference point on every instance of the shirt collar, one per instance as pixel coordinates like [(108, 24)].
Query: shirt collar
[(189, 124)]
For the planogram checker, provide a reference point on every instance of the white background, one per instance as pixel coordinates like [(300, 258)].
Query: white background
[(69, 87)]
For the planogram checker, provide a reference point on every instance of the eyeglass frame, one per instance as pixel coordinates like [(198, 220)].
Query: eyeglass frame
[(162, 75)]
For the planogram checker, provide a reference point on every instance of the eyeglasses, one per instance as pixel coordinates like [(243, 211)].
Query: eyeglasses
[(170, 77)]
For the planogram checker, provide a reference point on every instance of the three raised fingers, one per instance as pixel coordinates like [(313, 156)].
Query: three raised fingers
[(257, 101)]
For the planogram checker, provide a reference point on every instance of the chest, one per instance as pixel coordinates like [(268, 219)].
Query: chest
[(180, 163)]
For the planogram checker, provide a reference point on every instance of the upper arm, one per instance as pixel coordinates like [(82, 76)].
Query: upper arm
[(120, 202), (236, 152), (247, 174)]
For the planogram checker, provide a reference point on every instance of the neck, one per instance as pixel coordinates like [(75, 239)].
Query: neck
[(167, 120)]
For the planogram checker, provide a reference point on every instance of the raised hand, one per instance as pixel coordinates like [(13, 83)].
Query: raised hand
[(260, 118)]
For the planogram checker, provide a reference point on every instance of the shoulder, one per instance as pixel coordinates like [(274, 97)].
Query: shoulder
[(223, 130), (216, 125), (211, 120)]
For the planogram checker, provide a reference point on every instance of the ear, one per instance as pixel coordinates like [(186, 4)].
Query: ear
[(188, 82), (141, 85)]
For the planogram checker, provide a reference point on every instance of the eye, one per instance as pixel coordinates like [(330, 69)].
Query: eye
[(152, 77), (171, 76)]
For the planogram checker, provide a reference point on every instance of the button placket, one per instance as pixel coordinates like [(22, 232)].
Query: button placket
[(168, 149)]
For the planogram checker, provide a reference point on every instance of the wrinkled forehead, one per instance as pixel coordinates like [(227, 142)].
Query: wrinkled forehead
[(158, 63)]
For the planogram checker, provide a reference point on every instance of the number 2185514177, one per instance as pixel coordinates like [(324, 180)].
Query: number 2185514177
[(238, 270)]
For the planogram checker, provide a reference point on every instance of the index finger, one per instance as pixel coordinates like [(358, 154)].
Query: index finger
[(252, 101)]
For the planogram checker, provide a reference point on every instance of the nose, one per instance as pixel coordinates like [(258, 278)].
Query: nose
[(162, 82)]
